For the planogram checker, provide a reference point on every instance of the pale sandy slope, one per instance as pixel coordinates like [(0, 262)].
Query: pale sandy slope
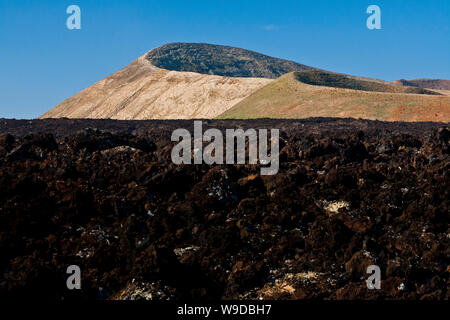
[(143, 91), (286, 97)]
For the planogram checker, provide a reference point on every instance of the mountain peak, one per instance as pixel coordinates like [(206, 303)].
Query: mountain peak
[(220, 60)]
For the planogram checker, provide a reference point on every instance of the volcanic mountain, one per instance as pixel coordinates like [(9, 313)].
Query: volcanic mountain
[(195, 80), (177, 81)]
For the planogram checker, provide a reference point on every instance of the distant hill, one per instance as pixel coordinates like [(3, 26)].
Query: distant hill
[(220, 60), (436, 84), (321, 94)]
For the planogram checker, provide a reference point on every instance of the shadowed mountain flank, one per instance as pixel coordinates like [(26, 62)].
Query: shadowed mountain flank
[(220, 60)]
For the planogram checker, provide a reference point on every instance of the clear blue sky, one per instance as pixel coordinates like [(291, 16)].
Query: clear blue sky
[(42, 62)]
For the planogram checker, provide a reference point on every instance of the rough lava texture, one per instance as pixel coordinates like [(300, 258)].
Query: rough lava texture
[(104, 195)]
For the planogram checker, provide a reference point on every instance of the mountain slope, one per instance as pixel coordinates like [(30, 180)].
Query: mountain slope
[(291, 96), (143, 91)]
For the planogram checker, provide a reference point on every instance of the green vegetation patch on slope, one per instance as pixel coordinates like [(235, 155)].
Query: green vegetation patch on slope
[(220, 60)]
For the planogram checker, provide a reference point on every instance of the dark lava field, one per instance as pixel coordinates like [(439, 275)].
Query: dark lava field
[(104, 195)]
